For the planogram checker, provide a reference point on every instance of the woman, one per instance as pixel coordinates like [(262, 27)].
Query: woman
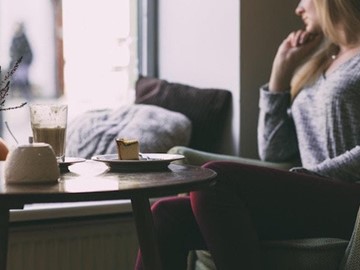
[(310, 110)]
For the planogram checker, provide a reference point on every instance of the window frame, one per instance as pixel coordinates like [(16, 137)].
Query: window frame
[(148, 37)]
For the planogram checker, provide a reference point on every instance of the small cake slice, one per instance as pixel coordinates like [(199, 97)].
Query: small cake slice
[(128, 149)]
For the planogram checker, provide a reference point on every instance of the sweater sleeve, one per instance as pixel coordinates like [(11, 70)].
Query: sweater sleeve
[(277, 140), (344, 167)]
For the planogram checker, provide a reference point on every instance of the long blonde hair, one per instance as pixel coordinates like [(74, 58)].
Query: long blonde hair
[(333, 15)]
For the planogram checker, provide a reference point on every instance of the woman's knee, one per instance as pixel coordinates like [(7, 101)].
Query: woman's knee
[(169, 211), (167, 206), (230, 175)]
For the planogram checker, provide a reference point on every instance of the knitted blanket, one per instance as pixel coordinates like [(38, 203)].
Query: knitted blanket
[(156, 128)]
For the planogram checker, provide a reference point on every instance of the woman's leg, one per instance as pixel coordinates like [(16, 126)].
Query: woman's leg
[(177, 232), (251, 203)]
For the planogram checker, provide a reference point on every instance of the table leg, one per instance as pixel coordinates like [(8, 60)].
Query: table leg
[(4, 235), (146, 233)]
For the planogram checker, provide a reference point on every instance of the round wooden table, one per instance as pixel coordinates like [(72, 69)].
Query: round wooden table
[(93, 181)]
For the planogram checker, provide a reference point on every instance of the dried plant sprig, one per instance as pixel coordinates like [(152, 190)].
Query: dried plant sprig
[(13, 107), (5, 90), (11, 71)]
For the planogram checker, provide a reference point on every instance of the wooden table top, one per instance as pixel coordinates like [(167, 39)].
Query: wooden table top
[(93, 181)]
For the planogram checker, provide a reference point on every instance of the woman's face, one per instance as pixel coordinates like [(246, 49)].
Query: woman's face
[(306, 10)]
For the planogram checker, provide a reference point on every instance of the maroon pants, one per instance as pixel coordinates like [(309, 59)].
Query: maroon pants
[(248, 204)]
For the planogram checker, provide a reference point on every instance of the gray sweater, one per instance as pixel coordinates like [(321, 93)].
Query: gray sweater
[(321, 126)]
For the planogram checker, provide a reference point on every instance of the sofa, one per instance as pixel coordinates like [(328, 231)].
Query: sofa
[(164, 114), (302, 254)]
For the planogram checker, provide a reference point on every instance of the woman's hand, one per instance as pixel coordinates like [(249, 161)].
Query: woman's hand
[(292, 51)]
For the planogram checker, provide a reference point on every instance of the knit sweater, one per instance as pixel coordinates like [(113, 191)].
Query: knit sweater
[(321, 126)]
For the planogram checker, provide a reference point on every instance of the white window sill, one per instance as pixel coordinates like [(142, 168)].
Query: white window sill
[(63, 210), (42, 211)]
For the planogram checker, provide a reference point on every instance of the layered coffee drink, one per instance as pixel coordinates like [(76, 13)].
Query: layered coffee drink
[(53, 136), (48, 123)]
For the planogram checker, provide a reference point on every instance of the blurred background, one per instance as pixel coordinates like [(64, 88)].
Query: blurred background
[(81, 52)]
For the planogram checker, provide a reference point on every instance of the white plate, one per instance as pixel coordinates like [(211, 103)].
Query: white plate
[(147, 162)]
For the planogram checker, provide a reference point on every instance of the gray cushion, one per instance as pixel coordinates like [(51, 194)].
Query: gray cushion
[(207, 108), (351, 259), (302, 254), (156, 128)]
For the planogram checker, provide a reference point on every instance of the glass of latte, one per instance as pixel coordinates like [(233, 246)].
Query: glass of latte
[(48, 124)]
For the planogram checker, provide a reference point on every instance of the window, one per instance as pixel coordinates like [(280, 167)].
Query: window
[(86, 53), (99, 40)]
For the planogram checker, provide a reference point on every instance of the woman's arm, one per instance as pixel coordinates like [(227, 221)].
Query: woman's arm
[(277, 140)]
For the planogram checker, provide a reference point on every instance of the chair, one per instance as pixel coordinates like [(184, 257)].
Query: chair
[(302, 254)]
